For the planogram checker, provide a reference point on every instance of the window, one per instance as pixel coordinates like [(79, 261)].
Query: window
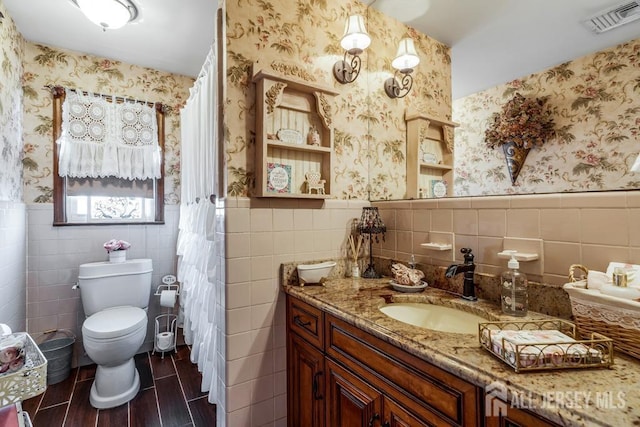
[(106, 187)]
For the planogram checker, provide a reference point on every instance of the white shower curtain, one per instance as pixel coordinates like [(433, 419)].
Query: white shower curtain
[(196, 247)]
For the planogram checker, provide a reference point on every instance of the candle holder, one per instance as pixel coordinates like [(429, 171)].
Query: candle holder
[(371, 225)]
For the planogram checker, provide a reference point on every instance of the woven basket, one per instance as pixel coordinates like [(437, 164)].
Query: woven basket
[(30, 380), (615, 318)]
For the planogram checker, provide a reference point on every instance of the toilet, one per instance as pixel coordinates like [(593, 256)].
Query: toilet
[(115, 297)]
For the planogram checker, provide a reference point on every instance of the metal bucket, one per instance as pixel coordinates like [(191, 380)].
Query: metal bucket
[(57, 347)]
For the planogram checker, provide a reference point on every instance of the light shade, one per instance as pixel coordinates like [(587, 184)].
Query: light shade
[(355, 38), (371, 222), (108, 14), (406, 57)]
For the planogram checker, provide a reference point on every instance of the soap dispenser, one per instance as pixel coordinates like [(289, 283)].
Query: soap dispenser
[(514, 296)]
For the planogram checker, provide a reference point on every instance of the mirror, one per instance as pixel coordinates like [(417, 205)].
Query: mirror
[(593, 98)]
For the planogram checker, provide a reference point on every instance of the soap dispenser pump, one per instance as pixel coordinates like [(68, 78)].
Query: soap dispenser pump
[(514, 293)]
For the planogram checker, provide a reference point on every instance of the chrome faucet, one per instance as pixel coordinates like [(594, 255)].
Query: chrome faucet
[(468, 268)]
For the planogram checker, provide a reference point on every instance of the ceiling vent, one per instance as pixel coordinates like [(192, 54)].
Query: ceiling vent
[(614, 17)]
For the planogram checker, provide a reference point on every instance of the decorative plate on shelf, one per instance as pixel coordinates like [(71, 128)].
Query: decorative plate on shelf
[(408, 288), (438, 188), (278, 178), (430, 158), (290, 136)]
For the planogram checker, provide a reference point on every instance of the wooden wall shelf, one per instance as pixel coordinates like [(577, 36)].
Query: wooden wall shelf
[(293, 108), (429, 155)]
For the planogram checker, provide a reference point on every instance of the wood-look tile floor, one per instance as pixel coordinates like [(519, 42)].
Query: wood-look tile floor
[(169, 396)]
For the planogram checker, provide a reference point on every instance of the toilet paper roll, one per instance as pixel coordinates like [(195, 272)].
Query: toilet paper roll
[(167, 298), (164, 340)]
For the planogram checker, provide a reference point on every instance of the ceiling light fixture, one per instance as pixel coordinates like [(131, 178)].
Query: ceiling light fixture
[(405, 61), (354, 41), (108, 14)]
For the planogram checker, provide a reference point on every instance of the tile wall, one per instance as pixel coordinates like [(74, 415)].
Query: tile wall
[(13, 219), (221, 324), (53, 257), (569, 228), (261, 234)]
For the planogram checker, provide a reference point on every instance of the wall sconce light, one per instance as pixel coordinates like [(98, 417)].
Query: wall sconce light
[(354, 41), (405, 61), (108, 14)]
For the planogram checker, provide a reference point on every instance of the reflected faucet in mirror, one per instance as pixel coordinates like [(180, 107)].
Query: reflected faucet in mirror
[(468, 268)]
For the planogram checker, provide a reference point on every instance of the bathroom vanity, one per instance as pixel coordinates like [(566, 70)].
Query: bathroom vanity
[(345, 372), (351, 365)]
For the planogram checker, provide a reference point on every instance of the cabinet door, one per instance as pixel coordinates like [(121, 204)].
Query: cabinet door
[(434, 395), (350, 401), (395, 415), (305, 384), (514, 417)]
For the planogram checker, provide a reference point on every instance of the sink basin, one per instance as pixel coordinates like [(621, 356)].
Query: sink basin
[(435, 317)]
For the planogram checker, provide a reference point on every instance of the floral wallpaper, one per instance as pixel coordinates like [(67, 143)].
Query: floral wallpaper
[(595, 102), (302, 39), (12, 51), (46, 65)]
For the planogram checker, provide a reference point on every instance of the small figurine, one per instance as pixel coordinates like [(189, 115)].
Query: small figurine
[(312, 178), (313, 137)]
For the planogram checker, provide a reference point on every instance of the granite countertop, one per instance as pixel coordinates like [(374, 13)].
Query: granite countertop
[(575, 397)]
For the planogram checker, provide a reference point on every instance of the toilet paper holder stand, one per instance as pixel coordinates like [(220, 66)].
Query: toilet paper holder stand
[(162, 288), (165, 337), (168, 285)]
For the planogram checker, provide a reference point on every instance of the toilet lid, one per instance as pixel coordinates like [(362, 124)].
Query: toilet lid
[(114, 322)]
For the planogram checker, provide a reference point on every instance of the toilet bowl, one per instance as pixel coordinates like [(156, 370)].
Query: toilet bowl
[(114, 297), (111, 339)]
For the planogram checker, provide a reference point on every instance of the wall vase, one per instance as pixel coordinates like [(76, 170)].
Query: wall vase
[(117, 256), (515, 157)]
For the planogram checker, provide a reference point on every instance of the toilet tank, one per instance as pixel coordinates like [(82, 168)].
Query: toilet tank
[(106, 284)]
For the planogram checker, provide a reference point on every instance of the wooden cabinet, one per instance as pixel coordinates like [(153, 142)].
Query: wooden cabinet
[(294, 136), (429, 155), (306, 321), (306, 383), (508, 416), (367, 382), (417, 392), (397, 416), (306, 377), (341, 376), (350, 401)]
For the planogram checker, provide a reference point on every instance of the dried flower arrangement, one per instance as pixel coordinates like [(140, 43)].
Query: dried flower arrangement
[(527, 122)]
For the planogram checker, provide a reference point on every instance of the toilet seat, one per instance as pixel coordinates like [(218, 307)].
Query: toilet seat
[(114, 322)]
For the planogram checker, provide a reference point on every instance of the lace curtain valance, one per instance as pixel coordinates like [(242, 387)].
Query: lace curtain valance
[(102, 138)]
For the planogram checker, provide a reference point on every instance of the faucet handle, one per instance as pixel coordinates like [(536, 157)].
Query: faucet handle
[(468, 256)]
